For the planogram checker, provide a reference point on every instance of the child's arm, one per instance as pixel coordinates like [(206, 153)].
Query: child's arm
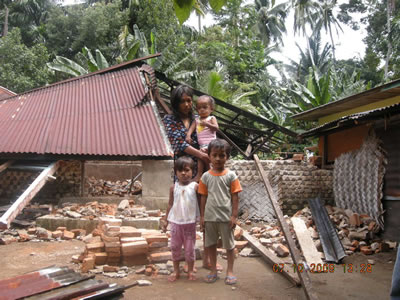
[(212, 124), (235, 209), (203, 201), (170, 204), (191, 129)]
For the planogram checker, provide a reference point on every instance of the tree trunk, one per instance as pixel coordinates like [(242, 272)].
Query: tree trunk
[(390, 7), (5, 28), (333, 45)]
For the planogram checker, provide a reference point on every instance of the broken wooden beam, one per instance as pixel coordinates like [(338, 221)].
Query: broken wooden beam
[(6, 165), (307, 246), (294, 252), (269, 256), (27, 196)]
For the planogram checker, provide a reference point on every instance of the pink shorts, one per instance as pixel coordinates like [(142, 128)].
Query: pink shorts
[(183, 235)]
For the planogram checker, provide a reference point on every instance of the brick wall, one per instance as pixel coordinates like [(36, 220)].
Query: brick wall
[(14, 183), (293, 182)]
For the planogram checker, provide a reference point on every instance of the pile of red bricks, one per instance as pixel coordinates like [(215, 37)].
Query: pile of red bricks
[(112, 243)]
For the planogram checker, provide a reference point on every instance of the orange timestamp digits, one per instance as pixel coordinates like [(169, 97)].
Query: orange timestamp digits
[(323, 268)]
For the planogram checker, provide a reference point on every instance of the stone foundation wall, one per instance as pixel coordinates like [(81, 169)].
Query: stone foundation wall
[(67, 184), (293, 182)]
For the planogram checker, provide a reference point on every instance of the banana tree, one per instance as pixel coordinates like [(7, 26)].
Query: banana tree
[(316, 92), (65, 65)]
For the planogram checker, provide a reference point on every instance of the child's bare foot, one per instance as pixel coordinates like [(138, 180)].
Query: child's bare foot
[(191, 276), (173, 277), (186, 269)]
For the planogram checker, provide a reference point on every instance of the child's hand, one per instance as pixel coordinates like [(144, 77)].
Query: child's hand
[(164, 225), (202, 224), (232, 222), (188, 139)]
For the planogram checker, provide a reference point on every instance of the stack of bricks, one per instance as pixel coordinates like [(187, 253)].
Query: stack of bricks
[(111, 230), (158, 247), (112, 244)]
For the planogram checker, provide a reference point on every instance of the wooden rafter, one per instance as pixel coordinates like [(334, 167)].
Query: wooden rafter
[(27, 196), (6, 165), (294, 252)]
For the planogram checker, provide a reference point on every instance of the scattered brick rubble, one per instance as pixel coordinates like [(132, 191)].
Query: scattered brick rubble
[(356, 232), (100, 187), (111, 244)]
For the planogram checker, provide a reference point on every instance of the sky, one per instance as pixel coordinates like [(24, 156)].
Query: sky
[(348, 45)]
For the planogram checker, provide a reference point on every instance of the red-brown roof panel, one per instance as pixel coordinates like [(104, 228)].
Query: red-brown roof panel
[(102, 114)]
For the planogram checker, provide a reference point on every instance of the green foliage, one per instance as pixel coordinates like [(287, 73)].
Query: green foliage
[(183, 8), (22, 68), (71, 28), (88, 63)]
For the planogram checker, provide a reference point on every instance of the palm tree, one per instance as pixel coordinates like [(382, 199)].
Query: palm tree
[(6, 5), (390, 9), (271, 21), (326, 19), (201, 8), (313, 57), (304, 11)]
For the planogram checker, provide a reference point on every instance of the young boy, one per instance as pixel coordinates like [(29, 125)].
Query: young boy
[(219, 188)]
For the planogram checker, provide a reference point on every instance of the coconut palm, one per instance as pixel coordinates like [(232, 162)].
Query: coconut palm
[(271, 20), (314, 56), (5, 5), (326, 19), (304, 12)]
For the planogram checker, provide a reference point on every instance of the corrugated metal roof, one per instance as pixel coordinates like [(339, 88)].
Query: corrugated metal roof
[(103, 113), (350, 120), (5, 93), (386, 91)]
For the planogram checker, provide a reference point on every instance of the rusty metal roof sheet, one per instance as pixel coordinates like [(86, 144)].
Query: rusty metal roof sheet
[(5, 93), (353, 120), (386, 91), (57, 283), (103, 113)]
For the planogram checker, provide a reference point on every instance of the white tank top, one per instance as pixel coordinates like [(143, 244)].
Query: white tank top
[(185, 209)]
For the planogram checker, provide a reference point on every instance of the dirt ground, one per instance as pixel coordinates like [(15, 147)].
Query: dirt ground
[(256, 280)]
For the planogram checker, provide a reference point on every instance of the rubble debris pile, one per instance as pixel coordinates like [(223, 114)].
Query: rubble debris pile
[(357, 232), (101, 187)]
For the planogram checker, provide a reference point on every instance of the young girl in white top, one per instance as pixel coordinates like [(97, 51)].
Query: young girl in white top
[(182, 214), (206, 126)]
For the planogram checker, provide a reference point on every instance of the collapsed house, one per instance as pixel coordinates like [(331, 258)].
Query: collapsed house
[(105, 115), (359, 137)]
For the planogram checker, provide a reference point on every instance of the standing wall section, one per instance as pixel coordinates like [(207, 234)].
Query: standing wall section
[(293, 182)]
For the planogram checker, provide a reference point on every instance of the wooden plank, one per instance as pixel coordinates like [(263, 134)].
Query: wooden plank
[(27, 196), (269, 256), (307, 246), (6, 165), (294, 252)]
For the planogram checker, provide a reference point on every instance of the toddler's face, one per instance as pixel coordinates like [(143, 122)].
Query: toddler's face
[(184, 175), (203, 107)]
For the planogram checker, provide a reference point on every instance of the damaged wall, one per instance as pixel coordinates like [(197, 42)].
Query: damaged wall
[(67, 184), (293, 182)]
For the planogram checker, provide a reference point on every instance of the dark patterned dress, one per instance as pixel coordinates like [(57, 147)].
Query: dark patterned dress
[(176, 132)]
